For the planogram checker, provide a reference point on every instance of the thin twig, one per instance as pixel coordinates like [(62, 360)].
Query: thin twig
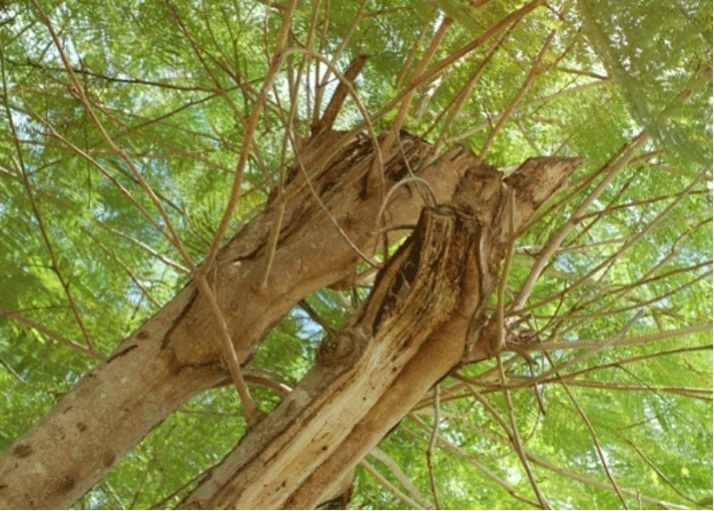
[(611, 169), (517, 439), (633, 359), (617, 340), (81, 94), (14, 373), (203, 474), (658, 471), (593, 435), (390, 487), (454, 107), (503, 280), (430, 449), (55, 336), (250, 128), (663, 214), (406, 64), (510, 430), (268, 381), (36, 213), (692, 392), (304, 305), (421, 66), (143, 246), (126, 268), (399, 474), (595, 483), (225, 342), (590, 352), (471, 458), (532, 73), (334, 221)]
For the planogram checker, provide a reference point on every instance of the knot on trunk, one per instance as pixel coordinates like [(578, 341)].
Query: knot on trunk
[(342, 349)]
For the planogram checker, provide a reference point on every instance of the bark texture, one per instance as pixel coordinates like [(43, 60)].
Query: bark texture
[(172, 356), (423, 317)]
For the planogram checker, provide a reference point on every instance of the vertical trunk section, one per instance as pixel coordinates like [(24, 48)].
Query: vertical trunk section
[(172, 356), (421, 319)]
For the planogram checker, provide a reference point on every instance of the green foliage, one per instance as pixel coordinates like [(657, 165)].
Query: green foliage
[(173, 83), (656, 51)]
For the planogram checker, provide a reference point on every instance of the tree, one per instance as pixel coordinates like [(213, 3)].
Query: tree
[(448, 255)]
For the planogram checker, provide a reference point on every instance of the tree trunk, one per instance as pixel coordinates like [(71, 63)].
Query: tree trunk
[(425, 314), (173, 356)]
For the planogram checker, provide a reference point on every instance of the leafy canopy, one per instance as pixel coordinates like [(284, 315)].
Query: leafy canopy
[(84, 256)]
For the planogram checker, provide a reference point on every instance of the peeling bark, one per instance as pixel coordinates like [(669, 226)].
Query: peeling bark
[(422, 318), (172, 356)]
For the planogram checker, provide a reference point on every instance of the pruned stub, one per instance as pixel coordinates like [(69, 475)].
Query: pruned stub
[(410, 333), (420, 277)]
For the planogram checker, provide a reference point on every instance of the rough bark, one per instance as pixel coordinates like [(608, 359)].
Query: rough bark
[(172, 356), (424, 316)]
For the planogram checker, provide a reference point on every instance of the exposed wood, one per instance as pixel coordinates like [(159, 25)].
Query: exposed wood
[(172, 356), (411, 332)]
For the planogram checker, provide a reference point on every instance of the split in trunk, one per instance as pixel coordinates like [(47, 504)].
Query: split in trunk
[(172, 356), (424, 316)]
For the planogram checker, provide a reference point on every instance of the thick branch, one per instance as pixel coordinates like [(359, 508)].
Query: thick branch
[(172, 356), (410, 333)]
